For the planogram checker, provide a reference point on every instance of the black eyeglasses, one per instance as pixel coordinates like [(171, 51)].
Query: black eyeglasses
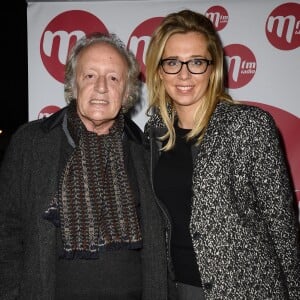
[(195, 65)]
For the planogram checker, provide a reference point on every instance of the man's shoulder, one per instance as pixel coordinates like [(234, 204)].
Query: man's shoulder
[(39, 128)]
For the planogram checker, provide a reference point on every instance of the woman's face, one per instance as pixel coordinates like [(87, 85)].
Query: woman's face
[(186, 89), (101, 80)]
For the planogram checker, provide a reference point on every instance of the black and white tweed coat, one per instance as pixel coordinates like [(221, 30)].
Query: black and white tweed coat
[(244, 226)]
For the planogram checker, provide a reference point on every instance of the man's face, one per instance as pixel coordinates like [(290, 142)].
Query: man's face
[(101, 81)]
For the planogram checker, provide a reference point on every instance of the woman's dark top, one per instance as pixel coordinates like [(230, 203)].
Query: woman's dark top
[(173, 186)]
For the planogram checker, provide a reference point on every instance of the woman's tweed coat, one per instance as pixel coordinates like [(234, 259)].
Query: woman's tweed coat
[(244, 227), (28, 181)]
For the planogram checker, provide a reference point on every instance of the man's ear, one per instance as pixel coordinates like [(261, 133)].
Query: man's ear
[(125, 98), (127, 93)]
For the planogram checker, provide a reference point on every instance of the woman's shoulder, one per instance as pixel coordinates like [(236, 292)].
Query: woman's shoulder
[(155, 120), (242, 113)]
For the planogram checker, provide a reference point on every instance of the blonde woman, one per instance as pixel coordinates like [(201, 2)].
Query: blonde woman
[(219, 173)]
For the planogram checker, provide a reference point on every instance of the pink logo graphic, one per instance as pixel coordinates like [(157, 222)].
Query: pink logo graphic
[(47, 111), (283, 26), (289, 126), (218, 15), (61, 34), (241, 65), (139, 40)]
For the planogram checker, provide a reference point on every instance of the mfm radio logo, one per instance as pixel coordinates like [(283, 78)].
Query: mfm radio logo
[(241, 64), (61, 34), (283, 26), (218, 15), (139, 40)]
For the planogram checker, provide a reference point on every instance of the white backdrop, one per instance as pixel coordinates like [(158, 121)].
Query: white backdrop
[(261, 40)]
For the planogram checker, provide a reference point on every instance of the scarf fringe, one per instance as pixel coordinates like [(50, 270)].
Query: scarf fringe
[(84, 254)]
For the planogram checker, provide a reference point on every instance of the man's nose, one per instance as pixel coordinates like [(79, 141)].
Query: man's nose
[(101, 84)]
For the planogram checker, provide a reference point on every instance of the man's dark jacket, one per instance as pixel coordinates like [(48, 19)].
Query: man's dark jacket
[(29, 178)]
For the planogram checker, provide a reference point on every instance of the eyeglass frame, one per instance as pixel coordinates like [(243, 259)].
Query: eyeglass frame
[(207, 61)]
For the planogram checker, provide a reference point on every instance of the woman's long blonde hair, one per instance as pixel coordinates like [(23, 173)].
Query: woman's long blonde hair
[(159, 101)]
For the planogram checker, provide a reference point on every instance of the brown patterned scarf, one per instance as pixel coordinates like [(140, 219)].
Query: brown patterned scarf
[(96, 207)]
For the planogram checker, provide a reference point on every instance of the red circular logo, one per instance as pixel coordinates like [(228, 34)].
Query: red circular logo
[(218, 15), (283, 26), (61, 34), (241, 64), (47, 111), (139, 40)]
